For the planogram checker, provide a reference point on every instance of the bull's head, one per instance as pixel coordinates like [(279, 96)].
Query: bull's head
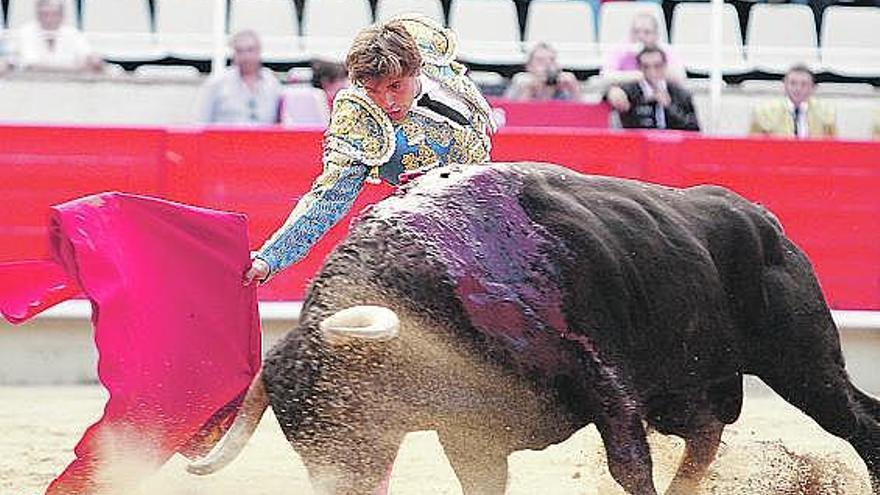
[(374, 323)]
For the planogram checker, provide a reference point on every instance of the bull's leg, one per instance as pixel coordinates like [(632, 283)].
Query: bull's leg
[(838, 407), (626, 447), (479, 472), (699, 452), (479, 461), (798, 355), (341, 471)]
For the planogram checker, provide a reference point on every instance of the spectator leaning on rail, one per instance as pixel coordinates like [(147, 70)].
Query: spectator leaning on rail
[(622, 66), (410, 108), (543, 79), (653, 102), (51, 45), (798, 114), (246, 93)]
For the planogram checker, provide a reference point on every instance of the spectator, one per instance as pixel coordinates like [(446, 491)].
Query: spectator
[(621, 65), (329, 76), (246, 93), (543, 78), (49, 44), (653, 102), (798, 114)]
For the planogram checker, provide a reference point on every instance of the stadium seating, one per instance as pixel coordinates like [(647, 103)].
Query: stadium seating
[(185, 27), (385, 9), (168, 72), (328, 26), (849, 40), (615, 19), (568, 27), (275, 21), (120, 29), (692, 38), (488, 31), (780, 35), (20, 12)]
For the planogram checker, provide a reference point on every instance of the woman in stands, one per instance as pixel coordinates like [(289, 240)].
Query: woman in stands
[(410, 108)]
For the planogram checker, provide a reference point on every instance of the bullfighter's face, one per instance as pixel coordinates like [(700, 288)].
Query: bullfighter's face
[(393, 94)]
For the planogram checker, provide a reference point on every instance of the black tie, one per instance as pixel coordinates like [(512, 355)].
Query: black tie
[(442, 109), (797, 121)]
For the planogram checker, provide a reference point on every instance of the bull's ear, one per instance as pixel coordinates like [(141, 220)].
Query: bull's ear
[(362, 322)]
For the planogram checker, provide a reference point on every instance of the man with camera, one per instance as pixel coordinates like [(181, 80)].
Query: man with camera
[(543, 78)]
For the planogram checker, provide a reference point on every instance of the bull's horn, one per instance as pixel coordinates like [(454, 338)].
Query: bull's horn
[(362, 322), (246, 421)]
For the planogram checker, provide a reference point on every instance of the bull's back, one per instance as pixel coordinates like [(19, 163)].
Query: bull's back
[(524, 255)]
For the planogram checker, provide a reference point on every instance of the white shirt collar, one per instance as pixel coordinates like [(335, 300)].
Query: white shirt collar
[(648, 90), (804, 106)]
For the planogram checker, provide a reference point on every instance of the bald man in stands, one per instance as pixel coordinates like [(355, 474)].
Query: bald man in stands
[(246, 93), (798, 114), (621, 66), (51, 44)]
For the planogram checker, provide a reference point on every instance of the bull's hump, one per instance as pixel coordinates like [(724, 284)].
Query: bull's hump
[(500, 262), (444, 186)]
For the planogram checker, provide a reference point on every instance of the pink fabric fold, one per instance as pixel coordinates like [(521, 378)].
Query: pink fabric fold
[(177, 334), (30, 287)]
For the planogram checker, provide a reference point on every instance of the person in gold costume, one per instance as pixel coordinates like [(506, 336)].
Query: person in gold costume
[(410, 107)]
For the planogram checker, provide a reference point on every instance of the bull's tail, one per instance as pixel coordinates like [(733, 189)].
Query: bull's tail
[(252, 408)]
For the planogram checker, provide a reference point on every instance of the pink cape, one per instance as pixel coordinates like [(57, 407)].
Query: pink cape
[(178, 335)]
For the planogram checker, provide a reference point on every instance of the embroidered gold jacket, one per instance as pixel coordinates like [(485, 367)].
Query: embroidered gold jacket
[(363, 144)]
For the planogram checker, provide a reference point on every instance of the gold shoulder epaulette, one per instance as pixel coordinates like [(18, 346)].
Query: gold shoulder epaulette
[(359, 129)]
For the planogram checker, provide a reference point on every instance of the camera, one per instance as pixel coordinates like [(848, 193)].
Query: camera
[(552, 78)]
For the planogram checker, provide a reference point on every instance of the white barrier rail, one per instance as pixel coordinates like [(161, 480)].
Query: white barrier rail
[(289, 310)]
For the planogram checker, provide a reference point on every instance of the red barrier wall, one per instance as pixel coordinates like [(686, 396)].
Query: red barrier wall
[(553, 113), (825, 193)]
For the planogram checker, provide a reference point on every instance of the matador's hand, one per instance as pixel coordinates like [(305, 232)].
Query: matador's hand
[(258, 271)]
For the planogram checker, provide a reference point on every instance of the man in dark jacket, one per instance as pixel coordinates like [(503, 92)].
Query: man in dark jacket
[(653, 102)]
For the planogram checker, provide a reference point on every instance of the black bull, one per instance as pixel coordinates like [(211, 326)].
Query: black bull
[(533, 301)]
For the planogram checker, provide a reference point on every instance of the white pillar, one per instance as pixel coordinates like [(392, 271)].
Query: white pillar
[(715, 81), (218, 61)]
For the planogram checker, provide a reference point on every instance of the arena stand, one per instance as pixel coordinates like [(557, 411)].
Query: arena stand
[(824, 192)]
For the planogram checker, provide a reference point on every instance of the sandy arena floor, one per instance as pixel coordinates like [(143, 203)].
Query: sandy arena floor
[(772, 449)]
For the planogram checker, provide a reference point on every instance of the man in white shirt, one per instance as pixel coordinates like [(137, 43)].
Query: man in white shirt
[(49, 44), (246, 93)]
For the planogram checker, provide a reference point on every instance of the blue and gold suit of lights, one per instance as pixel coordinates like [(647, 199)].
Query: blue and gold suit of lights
[(362, 144)]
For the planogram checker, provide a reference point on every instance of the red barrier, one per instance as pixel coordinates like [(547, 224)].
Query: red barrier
[(41, 166), (824, 192), (554, 113)]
